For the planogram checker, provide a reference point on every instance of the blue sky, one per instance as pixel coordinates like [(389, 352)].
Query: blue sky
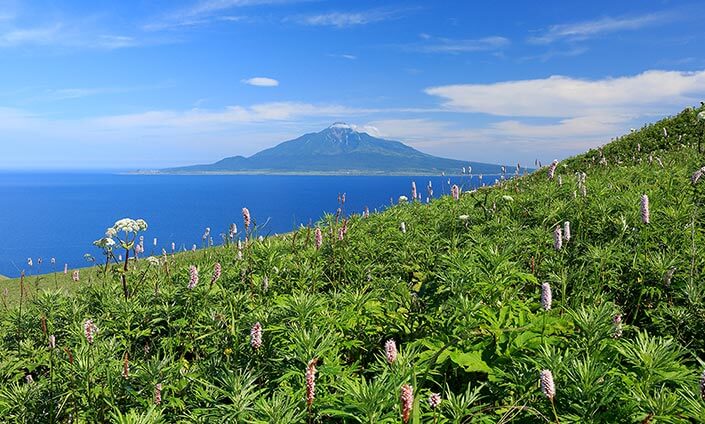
[(154, 83)]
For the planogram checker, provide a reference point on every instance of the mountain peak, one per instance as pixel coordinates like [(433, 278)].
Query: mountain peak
[(343, 126)]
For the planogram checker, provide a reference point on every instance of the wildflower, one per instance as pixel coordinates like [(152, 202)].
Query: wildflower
[(645, 209), (154, 242), (429, 189), (233, 230), (434, 400), (552, 169), (193, 248), (413, 190), (173, 247), (207, 233), (546, 296), (265, 283), (665, 132), (90, 330), (403, 199), (407, 402), (345, 227), (464, 218), (217, 271), (318, 238), (158, 394), (66, 268), (311, 382), (617, 323), (153, 261), (455, 192), (193, 277), (256, 336), (702, 377), (52, 342), (557, 238), (547, 386), (402, 227), (139, 249), (366, 212), (29, 262), (125, 367), (76, 276), (53, 261), (697, 175), (566, 231), (128, 226), (246, 217), (29, 379), (390, 348)]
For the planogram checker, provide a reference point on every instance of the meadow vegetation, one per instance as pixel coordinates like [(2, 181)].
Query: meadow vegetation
[(488, 308)]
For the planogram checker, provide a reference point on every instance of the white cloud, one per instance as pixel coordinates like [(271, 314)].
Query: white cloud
[(261, 82), (589, 29), (344, 56), (205, 12), (345, 19), (64, 35), (448, 45), (650, 92)]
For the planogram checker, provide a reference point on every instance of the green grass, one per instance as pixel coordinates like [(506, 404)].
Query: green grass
[(461, 299)]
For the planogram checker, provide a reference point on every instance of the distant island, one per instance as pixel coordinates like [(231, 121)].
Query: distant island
[(340, 149)]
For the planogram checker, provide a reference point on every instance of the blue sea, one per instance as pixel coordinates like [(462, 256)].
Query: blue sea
[(59, 215)]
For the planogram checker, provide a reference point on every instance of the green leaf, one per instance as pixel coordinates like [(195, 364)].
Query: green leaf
[(470, 361)]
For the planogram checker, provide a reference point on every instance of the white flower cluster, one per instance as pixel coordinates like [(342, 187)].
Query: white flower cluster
[(128, 225), (105, 243)]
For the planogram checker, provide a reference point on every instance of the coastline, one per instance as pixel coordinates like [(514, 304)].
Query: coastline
[(311, 173)]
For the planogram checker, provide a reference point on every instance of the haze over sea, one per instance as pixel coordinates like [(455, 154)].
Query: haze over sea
[(45, 215)]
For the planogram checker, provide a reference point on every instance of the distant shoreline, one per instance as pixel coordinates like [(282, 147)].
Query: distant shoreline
[(311, 173)]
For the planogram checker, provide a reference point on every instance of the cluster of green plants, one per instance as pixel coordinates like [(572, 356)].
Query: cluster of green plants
[(458, 292)]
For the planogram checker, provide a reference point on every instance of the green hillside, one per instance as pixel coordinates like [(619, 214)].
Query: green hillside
[(459, 292)]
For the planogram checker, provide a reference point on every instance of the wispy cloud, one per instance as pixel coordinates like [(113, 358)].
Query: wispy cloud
[(589, 29), (64, 35), (261, 82), (70, 93), (344, 56), (206, 12), (431, 44), (554, 53), (347, 19)]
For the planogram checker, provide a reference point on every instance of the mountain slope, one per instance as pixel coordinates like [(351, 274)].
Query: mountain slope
[(475, 300), (342, 149)]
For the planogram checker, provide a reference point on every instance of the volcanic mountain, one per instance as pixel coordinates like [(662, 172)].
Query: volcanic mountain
[(339, 149)]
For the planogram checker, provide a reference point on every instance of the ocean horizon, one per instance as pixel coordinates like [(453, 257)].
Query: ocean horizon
[(58, 214)]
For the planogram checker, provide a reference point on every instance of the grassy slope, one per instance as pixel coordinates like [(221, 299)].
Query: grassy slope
[(461, 298)]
